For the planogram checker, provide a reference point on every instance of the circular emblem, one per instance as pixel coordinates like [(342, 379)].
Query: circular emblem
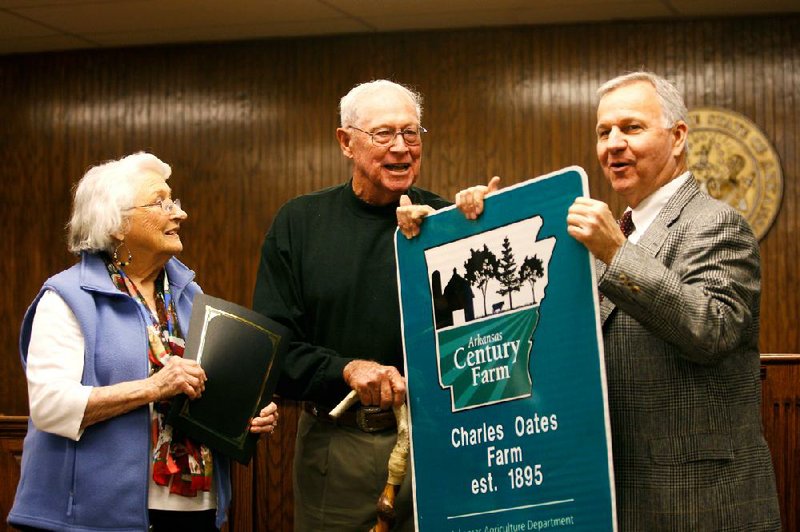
[(734, 162)]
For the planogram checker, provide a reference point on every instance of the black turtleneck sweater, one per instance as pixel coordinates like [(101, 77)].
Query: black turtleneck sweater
[(328, 272)]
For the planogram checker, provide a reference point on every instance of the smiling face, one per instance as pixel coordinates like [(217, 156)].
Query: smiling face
[(381, 174), (153, 235), (638, 151)]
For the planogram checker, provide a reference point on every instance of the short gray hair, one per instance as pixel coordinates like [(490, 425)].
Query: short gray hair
[(102, 195), (672, 104), (349, 104)]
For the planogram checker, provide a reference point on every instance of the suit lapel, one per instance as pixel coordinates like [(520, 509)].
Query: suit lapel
[(655, 236)]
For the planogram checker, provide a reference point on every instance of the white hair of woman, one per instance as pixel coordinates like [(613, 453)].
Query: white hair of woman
[(103, 195)]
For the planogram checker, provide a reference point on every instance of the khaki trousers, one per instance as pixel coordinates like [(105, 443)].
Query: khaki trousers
[(339, 472)]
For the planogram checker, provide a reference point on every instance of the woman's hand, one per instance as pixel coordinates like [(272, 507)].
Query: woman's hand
[(267, 420), (179, 375)]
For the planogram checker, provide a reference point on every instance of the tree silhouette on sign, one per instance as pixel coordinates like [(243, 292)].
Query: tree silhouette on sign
[(507, 273), (531, 269), (480, 268)]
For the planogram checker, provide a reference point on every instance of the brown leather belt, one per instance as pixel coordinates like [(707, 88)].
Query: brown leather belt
[(365, 418)]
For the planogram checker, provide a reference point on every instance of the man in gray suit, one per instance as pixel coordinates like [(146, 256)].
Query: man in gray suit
[(680, 314), (680, 317)]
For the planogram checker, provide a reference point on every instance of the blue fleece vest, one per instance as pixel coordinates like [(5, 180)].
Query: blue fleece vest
[(101, 482)]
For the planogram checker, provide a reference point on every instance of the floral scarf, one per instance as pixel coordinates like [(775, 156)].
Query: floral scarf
[(176, 458)]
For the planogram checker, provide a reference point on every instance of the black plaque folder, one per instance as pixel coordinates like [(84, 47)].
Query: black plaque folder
[(241, 352)]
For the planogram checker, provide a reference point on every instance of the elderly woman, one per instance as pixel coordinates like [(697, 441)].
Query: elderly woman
[(102, 347)]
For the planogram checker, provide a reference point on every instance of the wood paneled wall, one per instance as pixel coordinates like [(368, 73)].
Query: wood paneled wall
[(248, 125)]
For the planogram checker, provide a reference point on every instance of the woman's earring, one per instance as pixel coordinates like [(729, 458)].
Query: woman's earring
[(115, 258)]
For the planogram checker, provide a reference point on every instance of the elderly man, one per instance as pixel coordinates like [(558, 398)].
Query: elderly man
[(680, 284), (328, 272)]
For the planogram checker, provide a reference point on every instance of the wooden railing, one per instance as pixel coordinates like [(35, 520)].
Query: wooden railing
[(780, 414), (12, 432), (262, 499)]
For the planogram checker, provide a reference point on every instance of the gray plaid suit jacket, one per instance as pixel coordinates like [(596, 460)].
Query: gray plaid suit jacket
[(680, 327)]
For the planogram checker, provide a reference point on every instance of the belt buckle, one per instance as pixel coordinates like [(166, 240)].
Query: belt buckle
[(362, 421)]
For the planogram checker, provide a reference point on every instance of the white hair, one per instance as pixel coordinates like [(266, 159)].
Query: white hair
[(350, 102), (672, 105), (102, 195)]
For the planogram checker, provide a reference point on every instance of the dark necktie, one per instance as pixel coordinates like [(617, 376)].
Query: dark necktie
[(626, 223)]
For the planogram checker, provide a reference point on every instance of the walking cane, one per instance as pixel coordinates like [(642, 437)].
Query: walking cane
[(398, 463)]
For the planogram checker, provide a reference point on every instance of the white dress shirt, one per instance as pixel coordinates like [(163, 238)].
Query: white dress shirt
[(646, 212)]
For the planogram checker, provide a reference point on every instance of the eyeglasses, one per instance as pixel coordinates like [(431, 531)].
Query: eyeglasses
[(385, 137), (168, 206)]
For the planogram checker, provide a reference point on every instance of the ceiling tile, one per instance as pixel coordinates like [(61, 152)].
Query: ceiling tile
[(750, 7), (42, 44), (227, 33), (391, 9), (12, 26), (12, 4), (135, 22), (540, 15), (134, 15)]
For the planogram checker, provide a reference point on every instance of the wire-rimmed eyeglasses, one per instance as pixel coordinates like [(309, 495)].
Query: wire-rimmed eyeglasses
[(383, 137), (169, 206)]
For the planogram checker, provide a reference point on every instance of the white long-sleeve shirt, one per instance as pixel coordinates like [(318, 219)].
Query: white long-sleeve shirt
[(58, 400), (55, 367)]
